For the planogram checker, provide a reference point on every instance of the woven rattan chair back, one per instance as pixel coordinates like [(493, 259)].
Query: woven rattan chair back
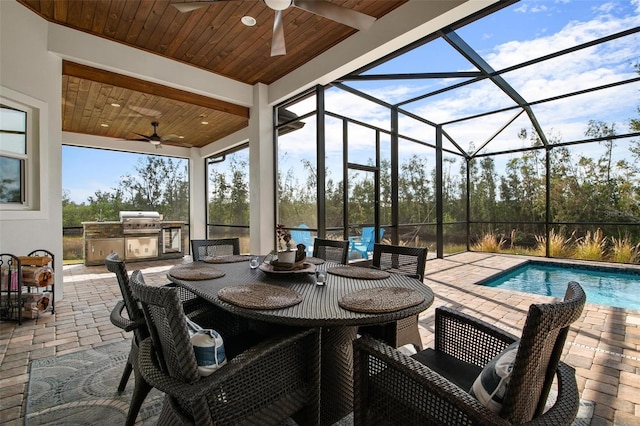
[(541, 344), (400, 259), (265, 380), (138, 325), (117, 266), (217, 247), (167, 324), (331, 250)]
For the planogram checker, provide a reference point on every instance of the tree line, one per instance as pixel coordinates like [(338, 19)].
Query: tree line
[(156, 184)]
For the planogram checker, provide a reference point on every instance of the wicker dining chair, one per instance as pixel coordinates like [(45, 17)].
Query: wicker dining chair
[(433, 386), (135, 321), (216, 247), (399, 260), (331, 250), (266, 383)]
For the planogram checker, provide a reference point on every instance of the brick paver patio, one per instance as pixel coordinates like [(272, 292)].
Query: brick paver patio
[(603, 345)]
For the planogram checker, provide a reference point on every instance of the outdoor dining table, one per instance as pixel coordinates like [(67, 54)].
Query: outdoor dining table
[(325, 307)]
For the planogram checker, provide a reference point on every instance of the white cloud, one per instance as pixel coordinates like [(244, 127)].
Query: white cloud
[(584, 69)]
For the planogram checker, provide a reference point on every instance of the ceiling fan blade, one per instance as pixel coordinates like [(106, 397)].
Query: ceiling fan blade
[(146, 138), (277, 39), (193, 5), (168, 137), (135, 140), (176, 143), (343, 15), (146, 111), (189, 7)]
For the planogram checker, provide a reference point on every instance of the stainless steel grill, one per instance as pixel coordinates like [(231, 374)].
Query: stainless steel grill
[(141, 222)]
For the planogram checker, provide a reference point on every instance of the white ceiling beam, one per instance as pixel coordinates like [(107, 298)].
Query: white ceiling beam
[(86, 49)]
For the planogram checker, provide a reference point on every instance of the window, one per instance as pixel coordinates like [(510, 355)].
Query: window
[(13, 154), (228, 196), (23, 130)]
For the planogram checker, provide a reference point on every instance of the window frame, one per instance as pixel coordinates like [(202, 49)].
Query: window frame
[(35, 172), (23, 158)]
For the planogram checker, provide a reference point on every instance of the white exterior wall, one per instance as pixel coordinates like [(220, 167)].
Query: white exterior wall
[(28, 68)]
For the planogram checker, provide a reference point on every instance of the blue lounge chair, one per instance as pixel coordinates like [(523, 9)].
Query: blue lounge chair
[(364, 243), (303, 237)]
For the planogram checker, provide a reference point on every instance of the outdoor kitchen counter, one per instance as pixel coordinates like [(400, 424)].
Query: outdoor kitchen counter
[(100, 238)]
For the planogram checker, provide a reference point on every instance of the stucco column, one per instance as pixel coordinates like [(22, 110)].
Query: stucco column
[(198, 196), (261, 172)]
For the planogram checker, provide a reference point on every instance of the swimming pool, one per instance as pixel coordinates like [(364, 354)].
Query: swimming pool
[(615, 287)]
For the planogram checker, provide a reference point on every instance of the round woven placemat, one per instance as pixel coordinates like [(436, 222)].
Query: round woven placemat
[(232, 258), (195, 271), (260, 296), (380, 299), (314, 260), (358, 272)]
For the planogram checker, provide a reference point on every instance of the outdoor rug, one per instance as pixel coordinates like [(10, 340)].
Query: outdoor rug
[(80, 388)]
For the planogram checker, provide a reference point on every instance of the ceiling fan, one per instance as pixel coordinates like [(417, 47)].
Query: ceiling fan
[(326, 9), (157, 140)]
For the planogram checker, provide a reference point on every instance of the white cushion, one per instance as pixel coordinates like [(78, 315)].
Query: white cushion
[(490, 386), (208, 348)]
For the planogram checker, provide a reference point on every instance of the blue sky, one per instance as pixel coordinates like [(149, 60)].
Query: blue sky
[(86, 170), (526, 30)]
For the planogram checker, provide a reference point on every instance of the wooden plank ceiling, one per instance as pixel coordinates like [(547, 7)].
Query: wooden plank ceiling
[(210, 38)]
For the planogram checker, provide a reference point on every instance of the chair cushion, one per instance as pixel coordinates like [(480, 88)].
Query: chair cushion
[(459, 372), (208, 348), (490, 385)]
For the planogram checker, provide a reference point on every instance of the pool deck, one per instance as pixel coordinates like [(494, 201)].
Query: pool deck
[(603, 345)]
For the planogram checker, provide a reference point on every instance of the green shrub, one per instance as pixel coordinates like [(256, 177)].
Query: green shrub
[(559, 246), (622, 251), (591, 247), (489, 243)]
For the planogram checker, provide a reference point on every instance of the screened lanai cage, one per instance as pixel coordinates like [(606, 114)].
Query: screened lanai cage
[(516, 130)]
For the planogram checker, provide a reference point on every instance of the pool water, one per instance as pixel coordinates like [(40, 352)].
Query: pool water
[(604, 286)]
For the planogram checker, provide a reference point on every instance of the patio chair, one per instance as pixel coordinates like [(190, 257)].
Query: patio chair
[(400, 260), (265, 383), (363, 245), (300, 236), (216, 247), (433, 386), (135, 321), (331, 250)]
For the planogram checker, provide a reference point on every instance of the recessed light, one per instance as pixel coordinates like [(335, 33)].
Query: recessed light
[(204, 122), (180, 137), (104, 125), (249, 21), (115, 105)]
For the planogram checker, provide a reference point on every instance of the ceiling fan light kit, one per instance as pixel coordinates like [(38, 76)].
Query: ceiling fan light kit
[(278, 4), (157, 140)]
